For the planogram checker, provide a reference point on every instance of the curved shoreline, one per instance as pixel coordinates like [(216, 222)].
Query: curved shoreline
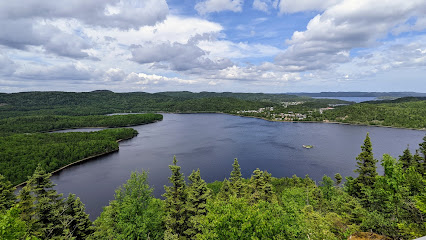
[(352, 124), (79, 161)]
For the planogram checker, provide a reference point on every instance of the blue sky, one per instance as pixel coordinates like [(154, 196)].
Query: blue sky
[(213, 45)]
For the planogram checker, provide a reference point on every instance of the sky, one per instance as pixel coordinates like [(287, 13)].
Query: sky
[(271, 46)]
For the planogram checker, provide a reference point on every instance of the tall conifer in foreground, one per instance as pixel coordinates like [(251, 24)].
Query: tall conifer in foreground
[(175, 205), (48, 204), (406, 159), (7, 197), (236, 172), (198, 193), (237, 184), (366, 167)]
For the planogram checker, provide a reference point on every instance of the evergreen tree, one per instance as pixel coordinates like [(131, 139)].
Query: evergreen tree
[(48, 204), (198, 193), (175, 205), (423, 147), (236, 172), (225, 191), (261, 186), (338, 178), (75, 219), (406, 159), (237, 185), (366, 167), (7, 197), (26, 204), (419, 163)]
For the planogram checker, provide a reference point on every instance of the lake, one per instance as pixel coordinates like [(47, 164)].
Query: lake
[(351, 99), (210, 142)]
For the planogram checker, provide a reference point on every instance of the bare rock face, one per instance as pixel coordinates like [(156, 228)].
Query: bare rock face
[(367, 236)]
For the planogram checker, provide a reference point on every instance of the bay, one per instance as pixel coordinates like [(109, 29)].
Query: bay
[(210, 142)]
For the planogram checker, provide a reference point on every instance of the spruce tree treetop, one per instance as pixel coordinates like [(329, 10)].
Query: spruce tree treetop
[(406, 159), (366, 165), (236, 172), (175, 204)]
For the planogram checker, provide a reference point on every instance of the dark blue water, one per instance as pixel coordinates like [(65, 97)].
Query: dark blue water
[(210, 142), (351, 99)]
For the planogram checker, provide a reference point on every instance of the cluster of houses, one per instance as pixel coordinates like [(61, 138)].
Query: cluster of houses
[(290, 116)]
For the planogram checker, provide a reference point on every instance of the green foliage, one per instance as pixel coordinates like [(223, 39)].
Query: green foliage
[(397, 113), (237, 219), (175, 204), (134, 214), (45, 123), (11, 225), (197, 197), (406, 159), (338, 178), (7, 197), (366, 168), (46, 215), (21, 153), (236, 172)]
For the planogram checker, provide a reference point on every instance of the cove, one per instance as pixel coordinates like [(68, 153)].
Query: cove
[(210, 142)]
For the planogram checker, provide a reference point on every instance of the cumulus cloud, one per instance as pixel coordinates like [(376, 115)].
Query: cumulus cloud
[(331, 36), (210, 6), (122, 14), (292, 6), (177, 56), (23, 33)]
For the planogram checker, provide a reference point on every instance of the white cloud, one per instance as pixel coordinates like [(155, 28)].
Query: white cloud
[(331, 36), (177, 56), (209, 6), (292, 6), (265, 5), (7, 66), (122, 14)]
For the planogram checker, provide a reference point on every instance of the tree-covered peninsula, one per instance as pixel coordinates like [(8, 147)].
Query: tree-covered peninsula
[(388, 206), (24, 144)]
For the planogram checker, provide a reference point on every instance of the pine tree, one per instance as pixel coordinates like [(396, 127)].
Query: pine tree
[(75, 219), (225, 191), (198, 193), (406, 159), (366, 167), (237, 185), (175, 204), (26, 204), (236, 172), (338, 178), (48, 204), (257, 185), (423, 147), (268, 189), (420, 163), (261, 186), (7, 197)]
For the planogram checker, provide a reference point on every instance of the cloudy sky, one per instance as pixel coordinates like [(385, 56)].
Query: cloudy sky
[(213, 45)]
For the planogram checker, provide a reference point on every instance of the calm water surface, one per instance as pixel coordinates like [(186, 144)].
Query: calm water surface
[(351, 99), (210, 142)]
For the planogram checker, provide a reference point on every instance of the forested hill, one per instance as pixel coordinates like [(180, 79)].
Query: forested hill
[(402, 112), (102, 102)]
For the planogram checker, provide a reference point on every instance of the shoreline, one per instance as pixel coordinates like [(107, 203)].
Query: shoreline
[(342, 123), (80, 161)]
